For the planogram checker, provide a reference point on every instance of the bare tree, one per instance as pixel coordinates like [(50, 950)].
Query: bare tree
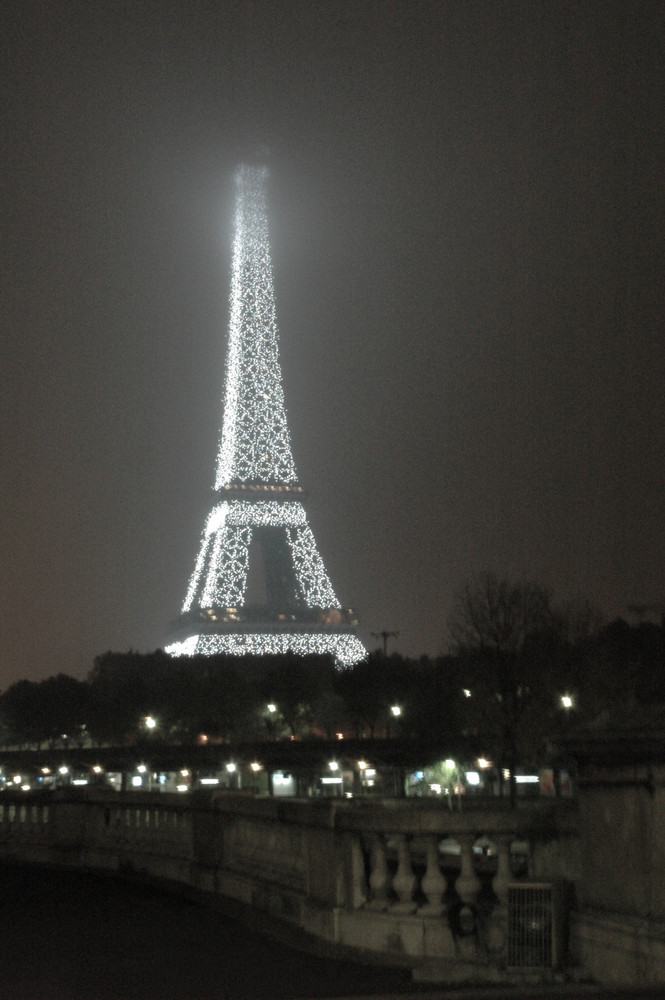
[(499, 615), (504, 633)]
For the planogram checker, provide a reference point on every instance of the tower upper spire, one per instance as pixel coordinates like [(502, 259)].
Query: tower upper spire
[(255, 444)]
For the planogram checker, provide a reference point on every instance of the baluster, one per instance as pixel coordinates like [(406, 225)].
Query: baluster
[(379, 879), (468, 883), (433, 884), (404, 881), (358, 884), (504, 875), (497, 928)]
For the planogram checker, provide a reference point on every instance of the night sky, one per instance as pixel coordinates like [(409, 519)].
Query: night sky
[(467, 219)]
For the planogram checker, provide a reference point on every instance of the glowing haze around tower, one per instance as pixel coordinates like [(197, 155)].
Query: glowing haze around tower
[(255, 444), (257, 491)]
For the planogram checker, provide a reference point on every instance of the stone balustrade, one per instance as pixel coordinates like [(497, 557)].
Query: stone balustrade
[(404, 879)]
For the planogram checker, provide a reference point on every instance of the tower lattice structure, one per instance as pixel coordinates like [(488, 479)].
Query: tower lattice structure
[(257, 515)]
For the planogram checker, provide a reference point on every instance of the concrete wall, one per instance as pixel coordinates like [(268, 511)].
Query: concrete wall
[(618, 931)]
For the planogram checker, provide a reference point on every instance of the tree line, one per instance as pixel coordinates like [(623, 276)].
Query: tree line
[(227, 698), (520, 673)]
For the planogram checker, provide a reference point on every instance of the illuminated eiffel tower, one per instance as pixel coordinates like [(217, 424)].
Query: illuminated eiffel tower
[(257, 519)]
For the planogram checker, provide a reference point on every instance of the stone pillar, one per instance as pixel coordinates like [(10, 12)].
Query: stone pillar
[(433, 884), (468, 883), (379, 879), (358, 895), (404, 881), (504, 875), (497, 927)]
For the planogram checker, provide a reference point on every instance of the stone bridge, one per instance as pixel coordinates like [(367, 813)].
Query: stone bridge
[(406, 880)]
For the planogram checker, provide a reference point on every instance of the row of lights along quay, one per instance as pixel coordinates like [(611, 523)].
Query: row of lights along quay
[(302, 768), (276, 767)]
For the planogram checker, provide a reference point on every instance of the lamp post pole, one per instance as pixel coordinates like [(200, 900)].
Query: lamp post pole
[(385, 636)]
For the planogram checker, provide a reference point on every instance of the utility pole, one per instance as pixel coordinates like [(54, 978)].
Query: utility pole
[(385, 636)]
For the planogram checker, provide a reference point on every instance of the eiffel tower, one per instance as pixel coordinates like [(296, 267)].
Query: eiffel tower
[(257, 528)]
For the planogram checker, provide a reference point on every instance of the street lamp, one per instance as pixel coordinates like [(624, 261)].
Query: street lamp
[(395, 712), (234, 774), (270, 719), (567, 701)]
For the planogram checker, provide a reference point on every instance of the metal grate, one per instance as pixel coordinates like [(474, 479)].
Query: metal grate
[(533, 925)]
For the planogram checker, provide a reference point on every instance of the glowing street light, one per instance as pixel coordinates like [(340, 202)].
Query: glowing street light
[(566, 701), (150, 722), (271, 719), (396, 710)]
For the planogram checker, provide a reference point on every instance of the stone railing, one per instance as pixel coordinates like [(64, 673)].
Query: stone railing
[(405, 879)]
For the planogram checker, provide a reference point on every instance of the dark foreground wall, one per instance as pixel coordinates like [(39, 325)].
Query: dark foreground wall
[(67, 935), (619, 926)]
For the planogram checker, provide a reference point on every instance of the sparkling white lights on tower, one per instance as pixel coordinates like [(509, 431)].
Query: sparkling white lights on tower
[(220, 574), (255, 455)]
